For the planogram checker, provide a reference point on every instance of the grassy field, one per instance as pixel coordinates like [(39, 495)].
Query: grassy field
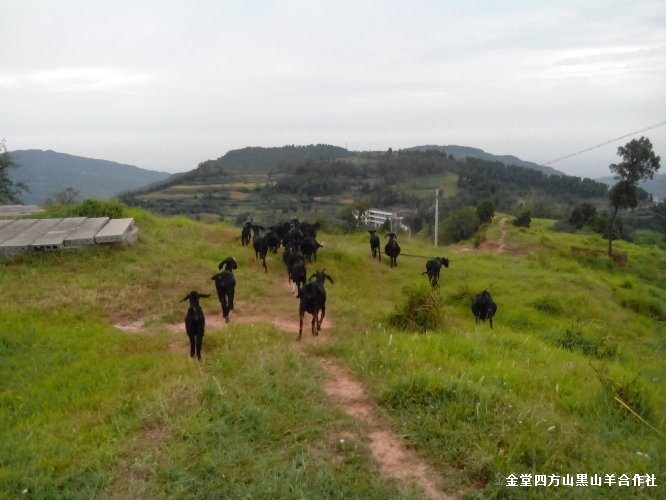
[(570, 380)]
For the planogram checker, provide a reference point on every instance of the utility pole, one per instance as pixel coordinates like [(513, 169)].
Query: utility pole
[(436, 214)]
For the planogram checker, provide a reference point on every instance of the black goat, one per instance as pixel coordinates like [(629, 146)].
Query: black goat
[(309, 247), (293, 259), (195, 322), (260, 245), (246, 233), (484, 308), (375, 243), (225, 284), (392, 249), (272, 240), (433, 266), (313, 301)]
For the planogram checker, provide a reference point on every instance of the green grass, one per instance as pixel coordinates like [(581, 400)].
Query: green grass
[(87, 410)]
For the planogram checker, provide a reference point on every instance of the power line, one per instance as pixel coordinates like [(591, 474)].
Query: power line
[(606, 143)]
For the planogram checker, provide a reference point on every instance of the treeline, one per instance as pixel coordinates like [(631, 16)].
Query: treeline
[(255, 159), (380, 180)]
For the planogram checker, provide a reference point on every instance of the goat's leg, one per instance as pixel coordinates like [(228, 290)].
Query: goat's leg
[(199, 345), (321, 317), (491, 322), (314, 324), (231, 299), (192, 345), (300, 327), (225, 308)]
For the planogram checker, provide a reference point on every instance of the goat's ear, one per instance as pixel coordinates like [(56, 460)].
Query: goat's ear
[(311, 277), (204, 295), (234, 264), (187, 297), (328, 278)]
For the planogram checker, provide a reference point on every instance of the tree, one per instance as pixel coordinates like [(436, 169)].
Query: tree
[(10, 192), (485, 211), (65, 197), (639, 162), (460, 225), (524, 219), (582, 214)]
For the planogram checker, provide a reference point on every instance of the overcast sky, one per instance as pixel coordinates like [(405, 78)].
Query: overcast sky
[(166, 84)]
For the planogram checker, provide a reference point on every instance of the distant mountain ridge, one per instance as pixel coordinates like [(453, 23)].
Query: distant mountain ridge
[(462, 152), (48, 172)]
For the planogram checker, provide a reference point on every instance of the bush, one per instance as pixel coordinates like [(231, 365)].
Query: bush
[(460, 225), (523, 220), (98, 208), (421, 312)]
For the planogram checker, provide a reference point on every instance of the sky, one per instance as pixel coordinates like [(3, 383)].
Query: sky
[(165, 85)]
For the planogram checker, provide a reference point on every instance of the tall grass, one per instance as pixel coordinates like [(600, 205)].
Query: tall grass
[(87, 410)]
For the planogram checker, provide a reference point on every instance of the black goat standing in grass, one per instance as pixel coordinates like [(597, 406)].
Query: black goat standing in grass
[(295, 262), (246, 233), (195, 322), (260, 245), (484, 308), (375, 243), (433, 266), (313, 301), (225, 284), (392, 249), (309, 247)]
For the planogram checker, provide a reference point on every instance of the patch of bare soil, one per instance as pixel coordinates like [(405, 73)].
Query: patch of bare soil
[(393, 457), (496, 246)]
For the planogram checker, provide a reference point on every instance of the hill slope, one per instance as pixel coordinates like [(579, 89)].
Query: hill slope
[(125, 413), (331, 186), (463, 152), (49, 172)]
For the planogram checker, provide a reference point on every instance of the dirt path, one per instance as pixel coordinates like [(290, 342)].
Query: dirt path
[(393, 457), (498, 246)]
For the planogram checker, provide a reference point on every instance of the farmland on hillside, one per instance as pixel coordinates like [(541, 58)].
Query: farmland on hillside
[(328, 188), (100, 397)]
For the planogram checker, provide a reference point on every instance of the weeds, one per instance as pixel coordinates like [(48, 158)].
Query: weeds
[(421, 312)]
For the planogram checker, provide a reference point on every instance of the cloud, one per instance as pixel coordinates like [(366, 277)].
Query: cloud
[(77, 79)]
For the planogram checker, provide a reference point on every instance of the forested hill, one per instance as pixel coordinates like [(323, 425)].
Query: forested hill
[(259, 160), (463, 152), (47, 173), (330, 187)]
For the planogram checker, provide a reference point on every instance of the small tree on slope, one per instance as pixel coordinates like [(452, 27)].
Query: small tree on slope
[(639, 163)]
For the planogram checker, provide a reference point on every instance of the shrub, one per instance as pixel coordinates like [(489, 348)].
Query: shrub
[(421, 312), (460, 225), (97, 208), (523, 220), (597, 348)]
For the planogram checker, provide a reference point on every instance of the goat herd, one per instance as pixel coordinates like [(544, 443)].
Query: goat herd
[(299, 240)]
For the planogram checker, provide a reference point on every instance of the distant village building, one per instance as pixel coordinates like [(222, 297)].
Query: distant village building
[(377, 218)]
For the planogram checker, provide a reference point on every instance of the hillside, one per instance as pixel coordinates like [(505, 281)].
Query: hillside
[(328, 188), (101, 400), (463, 152), (49, 172)]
